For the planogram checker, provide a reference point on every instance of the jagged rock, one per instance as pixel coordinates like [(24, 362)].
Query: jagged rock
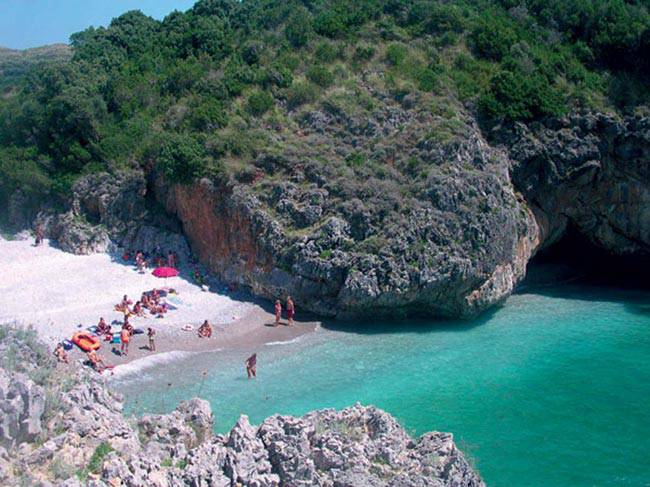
[(76, 235), (22, 403), (355, 446), (590, 172)]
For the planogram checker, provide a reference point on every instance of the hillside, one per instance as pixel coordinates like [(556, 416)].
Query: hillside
[(16, 64), (365, 156)]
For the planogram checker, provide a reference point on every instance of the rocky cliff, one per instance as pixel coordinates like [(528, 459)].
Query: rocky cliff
[(448, 234), (69, 430)]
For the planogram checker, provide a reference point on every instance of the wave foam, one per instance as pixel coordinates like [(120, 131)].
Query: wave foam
[(138, 366), (287, 342)]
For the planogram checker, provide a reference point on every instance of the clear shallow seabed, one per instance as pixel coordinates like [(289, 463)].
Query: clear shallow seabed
[(552, 389)]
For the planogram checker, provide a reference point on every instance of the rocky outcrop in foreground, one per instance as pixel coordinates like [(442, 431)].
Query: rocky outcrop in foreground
[(70, 430)]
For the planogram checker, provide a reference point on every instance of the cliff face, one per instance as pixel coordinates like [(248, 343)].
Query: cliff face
[(591, 172), (451, 238), (71, 431), (484, 211), (458, 245)]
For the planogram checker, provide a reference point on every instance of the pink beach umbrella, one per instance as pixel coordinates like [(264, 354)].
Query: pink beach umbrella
[(165, 272)]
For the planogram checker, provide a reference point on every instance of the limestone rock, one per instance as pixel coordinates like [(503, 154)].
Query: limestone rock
[(22, 403)]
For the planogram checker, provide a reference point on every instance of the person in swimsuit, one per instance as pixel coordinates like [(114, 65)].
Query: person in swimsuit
[(102, 327), (251, 366), (205, 330), (151, 333), (278, 312), (290, 310), (125, 337)]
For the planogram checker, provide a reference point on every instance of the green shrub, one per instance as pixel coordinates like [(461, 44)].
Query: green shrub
[(364, 52), (320, 76), (330, 23), (355, 159), (326, 52), (298, 30), (97, 458), (301, 93), (513, 96), (279, 76), (209, 115), (396, 53), (260, 102), (492, 37), (181, 158)]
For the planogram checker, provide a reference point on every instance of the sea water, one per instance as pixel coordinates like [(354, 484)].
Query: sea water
[(551, 389)]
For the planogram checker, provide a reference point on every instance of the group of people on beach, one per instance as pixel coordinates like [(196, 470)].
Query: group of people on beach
[(291, 309), (142, 259)]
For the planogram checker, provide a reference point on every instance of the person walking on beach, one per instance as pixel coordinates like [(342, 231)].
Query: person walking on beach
[(278, 312), (290, 310), (151, 333), (251, 366)]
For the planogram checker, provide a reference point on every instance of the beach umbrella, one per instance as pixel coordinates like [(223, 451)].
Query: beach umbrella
[(165, 272)]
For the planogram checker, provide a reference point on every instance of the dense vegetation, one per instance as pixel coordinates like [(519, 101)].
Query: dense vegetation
[(203, 92), (16, 64)]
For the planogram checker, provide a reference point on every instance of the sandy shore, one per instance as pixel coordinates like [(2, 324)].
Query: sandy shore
[(59, 293)]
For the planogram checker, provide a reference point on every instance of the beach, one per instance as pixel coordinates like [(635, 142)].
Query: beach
[(60, 294)]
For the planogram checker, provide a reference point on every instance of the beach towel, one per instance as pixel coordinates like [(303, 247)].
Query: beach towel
[(175, 300)]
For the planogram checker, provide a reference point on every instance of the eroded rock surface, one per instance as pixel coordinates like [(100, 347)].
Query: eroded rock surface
[(591, 172), (379, 215)]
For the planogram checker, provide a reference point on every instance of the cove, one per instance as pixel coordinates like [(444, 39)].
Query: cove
[(551, 389)]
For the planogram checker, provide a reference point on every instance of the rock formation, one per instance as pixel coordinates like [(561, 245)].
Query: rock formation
[(450, 236), (79, 436), (589, 171)]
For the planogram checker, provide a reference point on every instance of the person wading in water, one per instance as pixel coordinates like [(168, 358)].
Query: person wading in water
[(251, 366)]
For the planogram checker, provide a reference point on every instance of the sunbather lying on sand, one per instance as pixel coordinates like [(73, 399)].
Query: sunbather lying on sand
[(60, 353), (205, 330)]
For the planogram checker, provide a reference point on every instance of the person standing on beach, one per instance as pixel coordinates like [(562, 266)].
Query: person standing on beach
[(151, 333), (125, 337), (290, 310), (251, 366), (40, 234), (278, 312)]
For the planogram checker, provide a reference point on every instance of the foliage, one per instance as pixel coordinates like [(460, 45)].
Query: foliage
[(259, 102), (299, 29), (97, 458), (182, 158), (299, 94), (320, 76), (177, 93)]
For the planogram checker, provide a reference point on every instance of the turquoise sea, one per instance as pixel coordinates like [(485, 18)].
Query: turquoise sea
[(551, 389)]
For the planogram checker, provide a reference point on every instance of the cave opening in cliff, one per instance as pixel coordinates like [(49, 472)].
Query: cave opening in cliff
[(575, 257)]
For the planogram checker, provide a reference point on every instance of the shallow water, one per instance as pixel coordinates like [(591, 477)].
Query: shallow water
[(552, 389)]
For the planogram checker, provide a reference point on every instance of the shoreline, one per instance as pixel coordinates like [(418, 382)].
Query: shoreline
[(247, 334), (58, 294)]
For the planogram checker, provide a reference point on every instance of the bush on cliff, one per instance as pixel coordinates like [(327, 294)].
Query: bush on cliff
[(191, 74)]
